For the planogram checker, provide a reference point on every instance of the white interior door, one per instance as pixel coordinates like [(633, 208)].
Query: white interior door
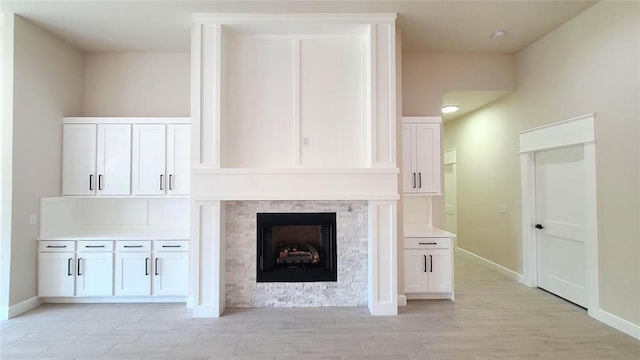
[(451, 198), (561, 218)]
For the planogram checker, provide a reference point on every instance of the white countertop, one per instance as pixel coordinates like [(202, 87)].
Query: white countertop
[(125, 235), (424, 230)]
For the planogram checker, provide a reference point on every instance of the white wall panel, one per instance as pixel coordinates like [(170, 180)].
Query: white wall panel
[(259, 96), (331, 98)]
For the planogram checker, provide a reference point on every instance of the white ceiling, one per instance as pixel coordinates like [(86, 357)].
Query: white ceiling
[(427, 26)]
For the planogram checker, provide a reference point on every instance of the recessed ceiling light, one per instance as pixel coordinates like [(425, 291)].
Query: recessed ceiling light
[(499, 34), (447, 109)]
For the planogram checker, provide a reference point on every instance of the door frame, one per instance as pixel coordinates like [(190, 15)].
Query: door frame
[(579, 131), (450, 157)]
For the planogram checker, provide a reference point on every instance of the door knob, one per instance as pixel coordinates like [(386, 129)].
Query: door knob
[(538, 226)]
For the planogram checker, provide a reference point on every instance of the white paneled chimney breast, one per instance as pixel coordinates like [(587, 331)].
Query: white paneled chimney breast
[(292, 108)]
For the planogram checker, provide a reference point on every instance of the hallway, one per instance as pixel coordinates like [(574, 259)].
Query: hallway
[(493, 317)]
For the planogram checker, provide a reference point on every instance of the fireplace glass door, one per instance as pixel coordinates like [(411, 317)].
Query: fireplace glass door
[(296, 247)]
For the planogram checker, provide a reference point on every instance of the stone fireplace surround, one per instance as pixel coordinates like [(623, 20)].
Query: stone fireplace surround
[(242, 290)]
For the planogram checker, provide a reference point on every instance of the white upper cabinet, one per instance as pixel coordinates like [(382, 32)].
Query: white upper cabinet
[(179, 159), (79, 159), (126, 156), (96, 159), (114, 159), (161, 159), (421, 155), (149, 159)]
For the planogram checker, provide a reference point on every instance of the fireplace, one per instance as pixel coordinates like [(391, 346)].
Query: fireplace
[(296, 247)]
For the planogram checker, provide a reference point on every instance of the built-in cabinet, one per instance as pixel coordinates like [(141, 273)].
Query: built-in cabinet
[(86, 268), (421, 155), (96, 159), (161, 159), (142, 272), (428, 264), (126, 156)]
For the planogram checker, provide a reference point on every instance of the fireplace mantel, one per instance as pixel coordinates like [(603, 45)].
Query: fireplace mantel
[(295, 184)]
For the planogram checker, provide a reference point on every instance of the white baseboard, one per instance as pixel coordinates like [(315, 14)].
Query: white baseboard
[(113, 300), (497, 267), (402, 300), (430, 296), (20, 308), (616, 322)]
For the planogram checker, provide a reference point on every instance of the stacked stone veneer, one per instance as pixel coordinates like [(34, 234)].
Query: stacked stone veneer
[(242, 290)]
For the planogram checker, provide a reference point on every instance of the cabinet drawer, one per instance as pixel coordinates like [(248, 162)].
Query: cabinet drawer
[(427, 243), (56, 246), (171, 245), (88, 245), (133, 245)]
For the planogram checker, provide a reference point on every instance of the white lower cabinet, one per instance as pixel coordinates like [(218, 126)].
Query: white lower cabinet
[(161, 272), (94, 268), (56, 273), (133, 268), (428, 268), (171, 271)]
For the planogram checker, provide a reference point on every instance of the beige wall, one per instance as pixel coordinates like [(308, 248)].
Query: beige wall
[(47, 86), (426, 78), (137, 84), (589, 65)]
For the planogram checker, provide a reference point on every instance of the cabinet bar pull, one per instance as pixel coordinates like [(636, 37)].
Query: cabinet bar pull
[(161, 182), (420, 180), (425, 263), (56, 246), (90, 181), (430, 263), (429, 243), (69, 267), (414, 180), (170, 181), (94, 246), (79, 274), (171, 246), (146, 267), (156, 265), (133, 246), (99, 182)]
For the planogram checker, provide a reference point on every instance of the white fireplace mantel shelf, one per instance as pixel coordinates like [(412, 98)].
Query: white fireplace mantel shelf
[(295, 184)]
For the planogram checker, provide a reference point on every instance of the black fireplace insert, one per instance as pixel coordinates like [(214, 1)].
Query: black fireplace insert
[(296, 247)]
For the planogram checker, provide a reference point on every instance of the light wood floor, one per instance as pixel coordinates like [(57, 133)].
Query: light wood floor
[(492, 318)]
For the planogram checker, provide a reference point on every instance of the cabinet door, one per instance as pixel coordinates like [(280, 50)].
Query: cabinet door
[(428, 158), (94, 274), (114, 159), (148, 165), (440, 270), (179, 158), (56, 274), (408, 158), (79, 159), (415, 271), (171, 273), (133, 274)]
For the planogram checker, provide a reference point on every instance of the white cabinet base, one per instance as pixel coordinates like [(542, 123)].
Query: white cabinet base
[(113, 299), (430, 296)]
